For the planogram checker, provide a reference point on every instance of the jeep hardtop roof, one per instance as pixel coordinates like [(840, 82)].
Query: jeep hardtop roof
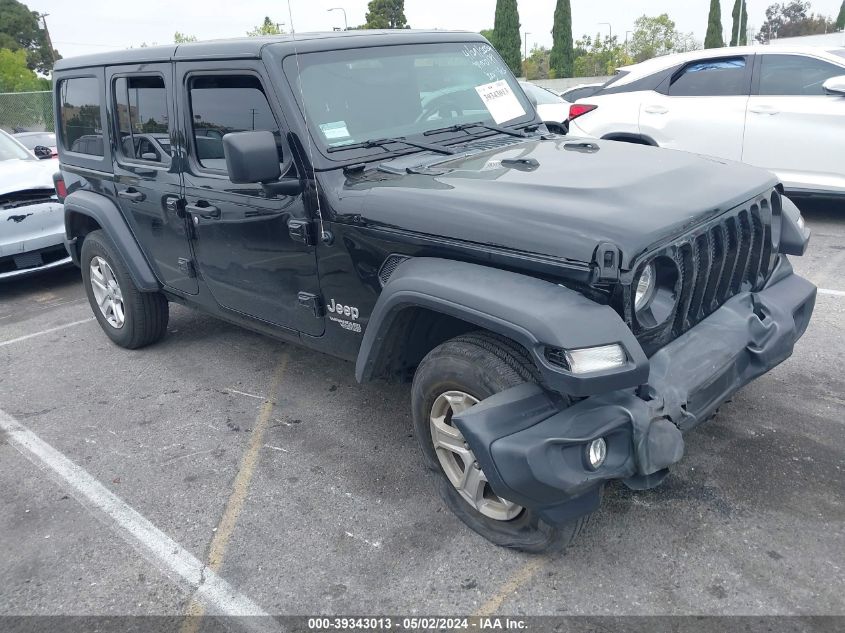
[(251, 47)]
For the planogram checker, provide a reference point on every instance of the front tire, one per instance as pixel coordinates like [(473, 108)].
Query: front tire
[(129, 317), (450, 379)]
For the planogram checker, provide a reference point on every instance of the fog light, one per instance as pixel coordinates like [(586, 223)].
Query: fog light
[(590, 359), (596, 453)]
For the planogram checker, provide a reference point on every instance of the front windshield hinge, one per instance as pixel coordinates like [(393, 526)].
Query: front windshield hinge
[(357, 168)]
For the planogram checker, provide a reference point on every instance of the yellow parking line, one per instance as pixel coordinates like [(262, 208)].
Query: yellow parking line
[(520, 578), (237, 498)]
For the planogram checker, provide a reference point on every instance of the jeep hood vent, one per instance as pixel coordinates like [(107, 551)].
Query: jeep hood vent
[(389, 267)]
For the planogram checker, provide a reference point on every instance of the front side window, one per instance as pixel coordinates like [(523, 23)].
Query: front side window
[(795, 75), (141, 113), (79, 103), (360, 95), (221, 104), (712, 78)]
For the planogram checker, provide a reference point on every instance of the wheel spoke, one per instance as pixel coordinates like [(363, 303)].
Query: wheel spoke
[(98, 283), (117, 310), (473, 484)]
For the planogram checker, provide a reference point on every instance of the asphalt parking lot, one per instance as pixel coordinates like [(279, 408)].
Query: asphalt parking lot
[(304, 491)]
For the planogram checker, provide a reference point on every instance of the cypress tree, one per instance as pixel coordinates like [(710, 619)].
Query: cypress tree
[(714, 38), (840, 21), (741, 22), (562, 56), (506, 36)]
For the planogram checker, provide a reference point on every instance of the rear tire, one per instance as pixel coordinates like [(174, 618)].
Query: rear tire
[(129, 317), (471, 368)]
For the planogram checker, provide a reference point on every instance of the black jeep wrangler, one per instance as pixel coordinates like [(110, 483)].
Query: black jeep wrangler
[(566, 308)]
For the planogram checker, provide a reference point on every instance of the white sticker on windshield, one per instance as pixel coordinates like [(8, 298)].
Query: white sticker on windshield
[(334, 131), (500, 101)]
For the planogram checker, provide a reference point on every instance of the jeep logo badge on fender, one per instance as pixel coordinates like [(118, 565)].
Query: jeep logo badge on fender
[(339, 309)]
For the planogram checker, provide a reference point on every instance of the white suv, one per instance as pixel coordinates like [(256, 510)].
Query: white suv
[(779, 108)]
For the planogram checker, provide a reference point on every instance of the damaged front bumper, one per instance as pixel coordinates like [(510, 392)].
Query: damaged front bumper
[(533, 448)]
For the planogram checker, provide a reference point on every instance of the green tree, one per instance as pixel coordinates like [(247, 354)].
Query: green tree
[(506, 36), (183, 38), (793, 19), (268, 27), (652, 37), (600, 56), (739, 30), (537, 66), (15, 74), (563, 55), (386, 14), (840, 21), (487, 34), (714, 38), (20, 29)]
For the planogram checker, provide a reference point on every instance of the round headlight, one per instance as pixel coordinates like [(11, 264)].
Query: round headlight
[(646, 284)]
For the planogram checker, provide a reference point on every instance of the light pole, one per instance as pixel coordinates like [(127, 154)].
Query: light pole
[(345, 23), (609, 28), (526, 45), (739, 21)]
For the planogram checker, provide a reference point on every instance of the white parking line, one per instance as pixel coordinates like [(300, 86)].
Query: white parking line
[(835, 293), (47, 331), (151, 542)]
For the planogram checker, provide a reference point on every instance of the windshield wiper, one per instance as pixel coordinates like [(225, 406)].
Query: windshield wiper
[(381, 142), (462, 127)]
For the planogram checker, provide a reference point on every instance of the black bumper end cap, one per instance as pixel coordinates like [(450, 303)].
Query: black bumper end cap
[(646, 482), (587, 503)]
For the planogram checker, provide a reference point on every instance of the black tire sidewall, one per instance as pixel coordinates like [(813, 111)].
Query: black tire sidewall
[(96, 244)]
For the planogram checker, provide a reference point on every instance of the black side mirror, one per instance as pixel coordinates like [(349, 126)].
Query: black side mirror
[(42, 152), (253, 157)]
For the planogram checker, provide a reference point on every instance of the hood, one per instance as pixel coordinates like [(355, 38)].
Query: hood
[(18, 175), (562, 197)]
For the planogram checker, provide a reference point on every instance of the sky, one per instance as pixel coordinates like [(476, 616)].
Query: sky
[(78, 27)]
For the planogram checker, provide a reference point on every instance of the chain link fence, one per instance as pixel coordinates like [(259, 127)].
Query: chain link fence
[(26, 111)]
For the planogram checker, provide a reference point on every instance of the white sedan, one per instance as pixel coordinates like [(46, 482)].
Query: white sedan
[(553, 110), (778, 108), (32, 223)]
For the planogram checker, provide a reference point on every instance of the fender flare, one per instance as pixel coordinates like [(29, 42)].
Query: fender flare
[(105, 213), (534, 313)]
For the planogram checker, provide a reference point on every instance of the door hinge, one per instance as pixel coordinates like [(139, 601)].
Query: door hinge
[(302, 231), (313, 303), (187, 267)]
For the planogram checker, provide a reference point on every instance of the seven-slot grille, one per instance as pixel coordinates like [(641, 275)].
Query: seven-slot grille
[(732, 253)]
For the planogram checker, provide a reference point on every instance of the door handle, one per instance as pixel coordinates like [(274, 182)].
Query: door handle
[(203, 210), (656, 109), (133, 195), (763, 109)]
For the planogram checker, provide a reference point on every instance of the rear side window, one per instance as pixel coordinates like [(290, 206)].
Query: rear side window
[(795, 75), (79, 103), (712, 78), (141, 107), (227, 103)]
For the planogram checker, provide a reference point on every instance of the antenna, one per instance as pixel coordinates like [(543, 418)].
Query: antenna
[(326, 237)]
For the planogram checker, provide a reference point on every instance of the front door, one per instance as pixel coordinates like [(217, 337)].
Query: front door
[(243, 244), (148, 181), (793, 125)]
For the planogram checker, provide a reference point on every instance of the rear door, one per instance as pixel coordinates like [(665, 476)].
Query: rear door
[(793, 127), (244, 248), (148, 181), (701, 107)]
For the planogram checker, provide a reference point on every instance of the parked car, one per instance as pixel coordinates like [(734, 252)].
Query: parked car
[(552, 109), (564, 308), (32, 227), (779, 108), (571, 95), (38, 143)]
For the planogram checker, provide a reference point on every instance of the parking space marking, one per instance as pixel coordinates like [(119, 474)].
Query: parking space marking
[(226, 527), (47, 331), (520, 578), (165, 553), (835, 293)]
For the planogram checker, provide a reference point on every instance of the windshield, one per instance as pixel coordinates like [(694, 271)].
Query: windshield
[(359, 95), (30, 141), (543, 96), (11, 149)]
